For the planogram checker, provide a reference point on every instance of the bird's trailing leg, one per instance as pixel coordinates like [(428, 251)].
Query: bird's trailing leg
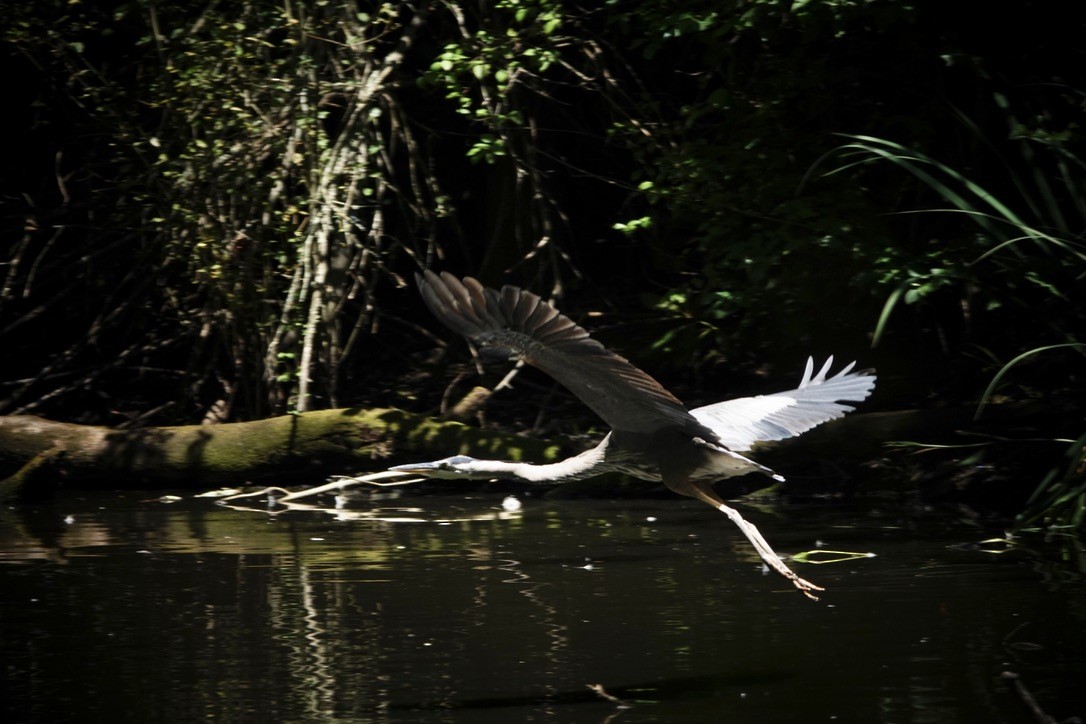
[(703, 492)]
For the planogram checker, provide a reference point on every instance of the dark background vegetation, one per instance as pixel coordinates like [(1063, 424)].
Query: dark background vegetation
[(214, 212)]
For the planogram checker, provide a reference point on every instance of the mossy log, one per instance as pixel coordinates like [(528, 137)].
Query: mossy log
[(38, 454)]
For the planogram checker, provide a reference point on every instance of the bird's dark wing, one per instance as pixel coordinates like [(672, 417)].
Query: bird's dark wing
[(742, 422), (520, 324)]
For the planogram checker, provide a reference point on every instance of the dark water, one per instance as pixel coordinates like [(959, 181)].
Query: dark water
[(444, 608)]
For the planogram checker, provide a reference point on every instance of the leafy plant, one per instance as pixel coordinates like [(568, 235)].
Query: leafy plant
[(1020, 253), (1025, 254), (721, 160), (257, 180), (1059, 502)]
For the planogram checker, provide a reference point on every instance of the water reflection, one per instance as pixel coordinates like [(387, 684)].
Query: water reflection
[(453, 608)]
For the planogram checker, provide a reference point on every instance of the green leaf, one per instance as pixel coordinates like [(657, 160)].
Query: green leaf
[(1007, 367)]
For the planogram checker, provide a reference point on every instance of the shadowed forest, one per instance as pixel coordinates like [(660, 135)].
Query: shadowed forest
[(214, 212)]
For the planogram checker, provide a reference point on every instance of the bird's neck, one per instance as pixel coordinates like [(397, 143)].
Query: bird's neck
[(579, 466), (524, 472)]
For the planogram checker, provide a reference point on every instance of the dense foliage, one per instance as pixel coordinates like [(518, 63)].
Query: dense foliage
[(213, 211)]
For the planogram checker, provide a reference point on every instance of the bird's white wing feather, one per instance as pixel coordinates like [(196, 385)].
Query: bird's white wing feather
[(742, 422)]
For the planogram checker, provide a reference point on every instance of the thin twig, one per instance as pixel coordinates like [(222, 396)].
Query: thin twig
[(337, 484)]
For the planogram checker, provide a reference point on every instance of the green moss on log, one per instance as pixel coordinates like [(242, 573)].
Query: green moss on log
[(295, 449)]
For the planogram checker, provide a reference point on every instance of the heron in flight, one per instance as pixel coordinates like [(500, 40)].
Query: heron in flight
[(653, 435)]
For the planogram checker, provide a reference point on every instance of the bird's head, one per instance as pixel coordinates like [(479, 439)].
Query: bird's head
[(457, 467)]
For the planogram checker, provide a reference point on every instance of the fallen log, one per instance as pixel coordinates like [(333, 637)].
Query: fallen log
[(36, 454)]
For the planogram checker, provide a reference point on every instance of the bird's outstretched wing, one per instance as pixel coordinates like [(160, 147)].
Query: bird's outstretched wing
[(742, 422), (520, 324)]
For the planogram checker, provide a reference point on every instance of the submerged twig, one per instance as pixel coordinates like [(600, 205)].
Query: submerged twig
[(821, 555)]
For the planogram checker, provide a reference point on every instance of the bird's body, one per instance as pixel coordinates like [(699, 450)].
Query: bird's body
[(653, 436)]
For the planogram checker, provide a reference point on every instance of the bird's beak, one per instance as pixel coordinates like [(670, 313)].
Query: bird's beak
[(414, 468)]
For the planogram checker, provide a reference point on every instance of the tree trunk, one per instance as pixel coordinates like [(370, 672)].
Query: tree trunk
[(36, 455)]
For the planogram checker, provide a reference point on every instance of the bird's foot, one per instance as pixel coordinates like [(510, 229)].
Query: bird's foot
[(805, 586)]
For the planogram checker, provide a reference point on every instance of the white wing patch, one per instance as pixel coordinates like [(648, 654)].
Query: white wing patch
[(742, 422)]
